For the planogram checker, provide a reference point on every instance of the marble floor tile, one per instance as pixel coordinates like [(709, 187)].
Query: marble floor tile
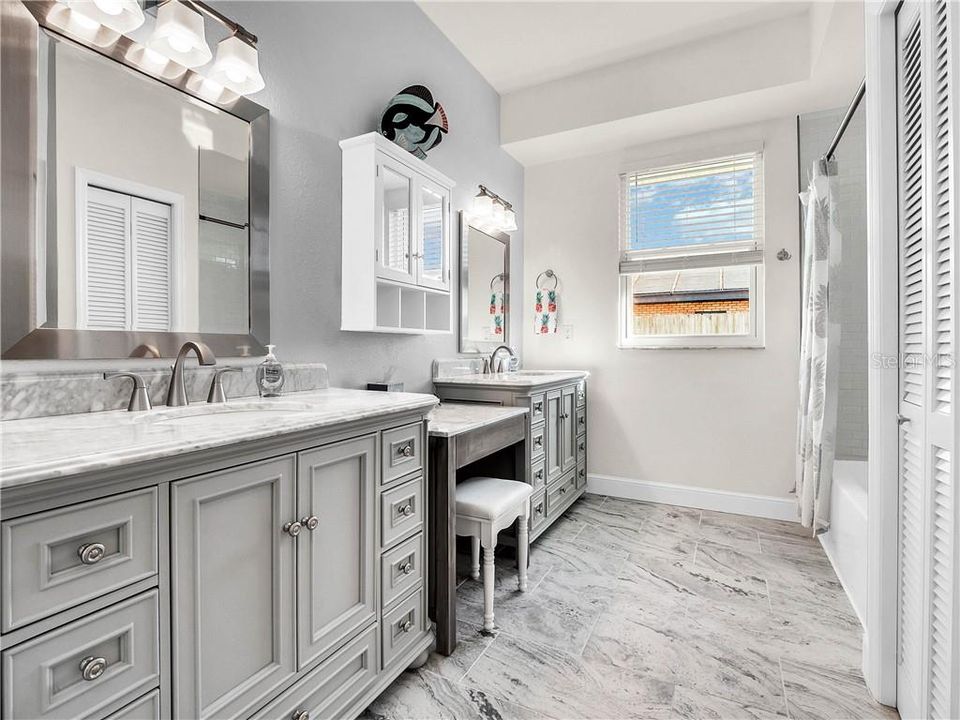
[(562, 685), (815, 693), (640, 610), (421, 695)]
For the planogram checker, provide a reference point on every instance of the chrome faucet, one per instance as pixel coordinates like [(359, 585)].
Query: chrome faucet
[(494, 368), (177, 393)]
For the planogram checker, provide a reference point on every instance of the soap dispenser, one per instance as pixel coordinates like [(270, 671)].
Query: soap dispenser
[(270, 375)]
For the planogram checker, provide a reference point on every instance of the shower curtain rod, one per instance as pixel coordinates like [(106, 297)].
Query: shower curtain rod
[(848, 116)]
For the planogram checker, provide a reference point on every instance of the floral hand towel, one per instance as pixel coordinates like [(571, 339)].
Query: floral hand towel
[(497, 312)]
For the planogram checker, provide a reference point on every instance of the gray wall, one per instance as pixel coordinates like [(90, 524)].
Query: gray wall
[(330, 69)]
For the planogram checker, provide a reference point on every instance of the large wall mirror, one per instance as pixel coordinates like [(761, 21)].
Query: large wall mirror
[(484, 288), (151, 216)]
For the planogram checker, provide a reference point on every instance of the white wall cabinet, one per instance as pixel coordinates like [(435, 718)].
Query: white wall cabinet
[(396, 222)]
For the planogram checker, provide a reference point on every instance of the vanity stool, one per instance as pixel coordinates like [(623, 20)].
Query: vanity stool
[(485, 506)]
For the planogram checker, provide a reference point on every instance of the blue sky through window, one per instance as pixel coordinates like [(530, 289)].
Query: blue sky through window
[(693, 206)]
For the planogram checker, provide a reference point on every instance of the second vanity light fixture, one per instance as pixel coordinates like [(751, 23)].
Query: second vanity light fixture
[(179, 36), (492, 212)]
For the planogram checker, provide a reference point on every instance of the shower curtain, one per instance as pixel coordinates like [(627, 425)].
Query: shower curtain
[(819, 353)]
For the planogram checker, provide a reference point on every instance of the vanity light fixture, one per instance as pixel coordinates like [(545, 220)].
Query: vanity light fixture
[(179, 35), (492, 212), (123, 16), (237, 67)]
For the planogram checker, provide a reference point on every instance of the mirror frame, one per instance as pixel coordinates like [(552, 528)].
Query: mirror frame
[(26, 37), (481, 346)]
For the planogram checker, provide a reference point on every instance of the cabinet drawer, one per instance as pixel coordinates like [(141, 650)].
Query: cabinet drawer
[(144, 708), (76, 670), (401, 512), (581, 420), (581, 448), (58, 559), (401, 569), (333, 685), (401, 451), (581, 393), (538, 510), (402, 627), (536, 409), (537, 442), (581, 474), (538, 473), (560, 492)]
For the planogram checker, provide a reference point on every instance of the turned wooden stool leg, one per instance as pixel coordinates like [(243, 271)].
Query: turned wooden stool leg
[(488, 581), (475, 558)]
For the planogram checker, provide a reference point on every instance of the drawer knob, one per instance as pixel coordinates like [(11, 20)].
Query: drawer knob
[(406, 450), (91, 553), (407, 568), (92, 667), (406, 510), (563, 490), (293, 528), (538, 441), (539, 508), (300, 715), (405, 626), (538, 407), (310, 522), (539, 474)]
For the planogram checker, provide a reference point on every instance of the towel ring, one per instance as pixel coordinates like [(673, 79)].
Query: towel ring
[(549, 274), (495, 278)]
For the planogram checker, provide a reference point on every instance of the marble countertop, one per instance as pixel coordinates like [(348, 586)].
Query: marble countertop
[(449, 419), (521, 378), (38, 449)]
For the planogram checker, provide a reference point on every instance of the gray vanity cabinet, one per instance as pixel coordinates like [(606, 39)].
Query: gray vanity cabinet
[(336, 485), (557, 423), (234, 589)]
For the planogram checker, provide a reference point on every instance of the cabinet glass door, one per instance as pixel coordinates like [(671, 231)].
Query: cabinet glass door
[(394, 255), (433, 253)]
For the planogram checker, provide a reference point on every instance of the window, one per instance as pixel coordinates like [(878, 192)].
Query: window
[(691, 261)]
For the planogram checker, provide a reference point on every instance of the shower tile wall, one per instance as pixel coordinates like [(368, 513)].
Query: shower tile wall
[(816, 131)]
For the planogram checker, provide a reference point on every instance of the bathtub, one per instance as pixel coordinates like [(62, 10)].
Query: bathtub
[(846, 541)]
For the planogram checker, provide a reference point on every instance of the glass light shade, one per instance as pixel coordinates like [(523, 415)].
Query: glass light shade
[(509, 220), (497, 216), (482, 206), (179, 35), (123, 16), (237, 67)]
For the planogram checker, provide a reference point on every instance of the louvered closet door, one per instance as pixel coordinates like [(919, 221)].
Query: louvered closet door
[(105, 262), (927, 677), (151, 290)]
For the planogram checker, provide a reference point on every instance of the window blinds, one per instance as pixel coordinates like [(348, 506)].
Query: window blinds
[(704, 214)]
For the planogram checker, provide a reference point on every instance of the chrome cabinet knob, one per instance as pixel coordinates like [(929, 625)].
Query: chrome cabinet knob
[(563, 490), (407, 568), (300, 715), (538, 407), (92, 667), (539, 508), (405, 626), (538, 441), (91, 553), (406, 450), (293, 528), (406, 510), (311, 522), (539, 474)]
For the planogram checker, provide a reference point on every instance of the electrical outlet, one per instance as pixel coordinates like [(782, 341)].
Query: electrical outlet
[(567, 331)]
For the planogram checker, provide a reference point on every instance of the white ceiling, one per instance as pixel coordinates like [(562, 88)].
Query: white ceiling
[(518, 44)]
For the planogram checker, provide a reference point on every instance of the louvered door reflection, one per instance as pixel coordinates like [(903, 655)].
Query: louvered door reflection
[(927, 665)]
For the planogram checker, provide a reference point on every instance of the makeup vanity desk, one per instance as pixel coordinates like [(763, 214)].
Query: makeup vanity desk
[(466, 440)]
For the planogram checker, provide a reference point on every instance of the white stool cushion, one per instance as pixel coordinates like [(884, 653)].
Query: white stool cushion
[(489, 498)]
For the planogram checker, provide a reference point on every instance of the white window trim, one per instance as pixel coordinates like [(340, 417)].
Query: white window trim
[(756, 338), (84, 179)]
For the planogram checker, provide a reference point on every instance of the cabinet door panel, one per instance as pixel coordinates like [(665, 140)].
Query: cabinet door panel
[(434, 235), (395, 231), (554, 435), (335, 564), (233, 587), (568, 428)]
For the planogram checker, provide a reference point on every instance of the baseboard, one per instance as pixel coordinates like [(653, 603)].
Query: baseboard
[(765, 506)]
